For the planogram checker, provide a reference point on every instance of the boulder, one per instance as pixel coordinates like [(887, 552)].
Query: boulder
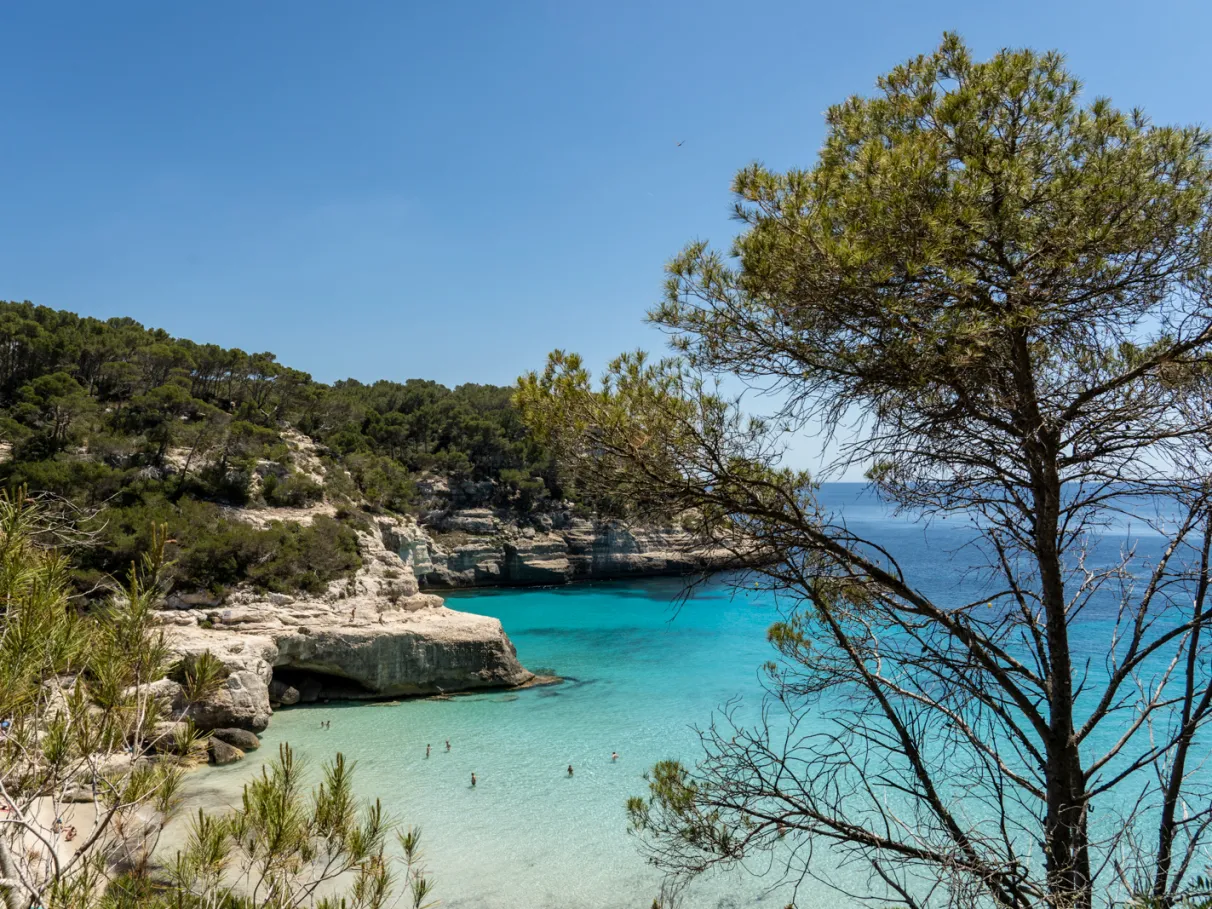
[(472, 493), (243, 701), (166, 695), (222, 753), (430, 487), (237, 738), (273, 469)]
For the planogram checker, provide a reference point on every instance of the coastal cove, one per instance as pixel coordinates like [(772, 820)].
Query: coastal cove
[(640, 670), (528, 835)]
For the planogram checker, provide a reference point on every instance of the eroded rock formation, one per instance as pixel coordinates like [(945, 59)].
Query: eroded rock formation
[(375, 636)]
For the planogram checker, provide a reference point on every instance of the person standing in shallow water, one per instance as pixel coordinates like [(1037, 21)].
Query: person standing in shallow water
[(427, 751), (448, 744), (473, 781), (570, 769)]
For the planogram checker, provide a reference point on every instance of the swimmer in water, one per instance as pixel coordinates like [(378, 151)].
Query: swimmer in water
[(473, 781), (614, 755), (570, 769)]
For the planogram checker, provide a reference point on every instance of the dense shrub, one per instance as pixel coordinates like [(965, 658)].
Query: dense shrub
[(297, 490), (213, 551)]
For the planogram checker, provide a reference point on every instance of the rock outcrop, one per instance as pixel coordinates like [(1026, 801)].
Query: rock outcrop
[(238, 738), (222, 753), (478, 547), (377, 635), (374, 636)]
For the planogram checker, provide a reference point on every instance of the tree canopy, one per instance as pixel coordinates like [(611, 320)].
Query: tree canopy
[(162, 429)]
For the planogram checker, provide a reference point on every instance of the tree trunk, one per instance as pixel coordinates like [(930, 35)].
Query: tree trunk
[(1168, 828), (1066, 839)]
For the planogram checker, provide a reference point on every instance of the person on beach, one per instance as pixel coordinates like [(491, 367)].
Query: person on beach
[(473, 781), (570, 769), (57, 826)]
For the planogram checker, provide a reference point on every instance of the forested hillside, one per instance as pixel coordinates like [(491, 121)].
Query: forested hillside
[(134, 427)]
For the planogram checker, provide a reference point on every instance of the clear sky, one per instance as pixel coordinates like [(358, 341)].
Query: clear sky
[(449, 190)]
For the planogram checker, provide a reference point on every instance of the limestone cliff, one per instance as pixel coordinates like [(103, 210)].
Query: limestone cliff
[(479, 547), (376, 636)]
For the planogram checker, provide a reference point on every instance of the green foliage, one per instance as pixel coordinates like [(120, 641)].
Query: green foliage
[(295, 491), (73, 688), (213, 552), (209, 549), (382, 484), (962, 206), (84, 726), (154, 429)]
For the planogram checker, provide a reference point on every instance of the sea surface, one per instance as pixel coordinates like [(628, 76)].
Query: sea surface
[(641, 669)]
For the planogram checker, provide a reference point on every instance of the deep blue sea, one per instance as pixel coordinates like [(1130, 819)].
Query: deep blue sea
[(641, 671)]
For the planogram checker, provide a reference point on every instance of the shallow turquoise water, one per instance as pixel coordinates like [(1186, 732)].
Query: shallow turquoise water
[(639, 673), (529, 835)]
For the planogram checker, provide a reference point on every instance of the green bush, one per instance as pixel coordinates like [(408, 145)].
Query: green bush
[(295, 491)]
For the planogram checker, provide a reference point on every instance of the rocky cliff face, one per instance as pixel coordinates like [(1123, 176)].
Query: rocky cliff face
[(478, 547), (377, 636)]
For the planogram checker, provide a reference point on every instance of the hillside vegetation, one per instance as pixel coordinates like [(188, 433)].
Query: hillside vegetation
[(131, 427)]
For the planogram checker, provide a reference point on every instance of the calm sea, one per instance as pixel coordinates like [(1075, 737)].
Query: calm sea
[(641, 674)]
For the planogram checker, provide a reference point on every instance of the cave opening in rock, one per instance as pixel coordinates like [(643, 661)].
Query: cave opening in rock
[(292, 685)]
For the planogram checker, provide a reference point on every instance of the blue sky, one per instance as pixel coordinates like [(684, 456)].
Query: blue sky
[(450, 190)]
